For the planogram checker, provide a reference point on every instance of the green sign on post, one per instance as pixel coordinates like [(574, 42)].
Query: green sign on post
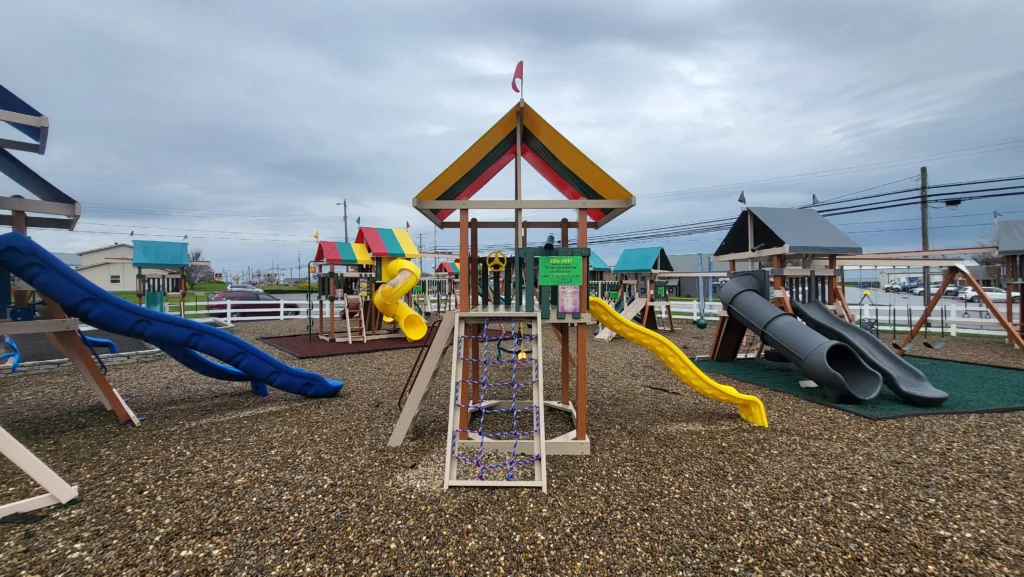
[(560, 271)]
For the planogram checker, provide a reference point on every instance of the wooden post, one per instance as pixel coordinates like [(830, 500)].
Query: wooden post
[(833, 281), (581, 339), (1010, 278), (19, 223), (330, 297), (320, 299), (564, 328), (465, 273), (474, 297), (781, 302)]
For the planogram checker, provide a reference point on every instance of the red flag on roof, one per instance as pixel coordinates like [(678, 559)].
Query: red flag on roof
[(406, 225), (518, 76)]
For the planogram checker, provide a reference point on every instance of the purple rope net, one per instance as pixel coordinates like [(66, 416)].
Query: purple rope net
[(498, 374)]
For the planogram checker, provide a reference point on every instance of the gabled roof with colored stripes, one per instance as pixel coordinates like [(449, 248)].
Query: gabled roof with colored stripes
[(449, 267), (544, 148), (387, 242), (350, 253), (642, 260), (597, 263)]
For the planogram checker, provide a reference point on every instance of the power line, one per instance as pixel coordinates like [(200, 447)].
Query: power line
[(846, 170)]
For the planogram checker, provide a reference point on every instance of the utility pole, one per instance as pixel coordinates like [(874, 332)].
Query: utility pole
[(927, 271), (344, 208), (421, 252)]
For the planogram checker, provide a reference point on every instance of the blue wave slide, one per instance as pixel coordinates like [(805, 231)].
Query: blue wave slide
[(181, 339)]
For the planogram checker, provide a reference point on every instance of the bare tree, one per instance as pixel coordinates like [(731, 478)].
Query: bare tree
[(197, 273)]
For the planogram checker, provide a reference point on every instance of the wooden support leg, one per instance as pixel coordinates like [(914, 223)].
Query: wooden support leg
[(1011, 331), (564, 337), (581, 340), (947, 279), (463, 303), (476, 330)]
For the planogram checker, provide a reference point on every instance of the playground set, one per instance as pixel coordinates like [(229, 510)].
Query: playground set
[(152, 291), (375, 288), (496, 432), (63, 298)]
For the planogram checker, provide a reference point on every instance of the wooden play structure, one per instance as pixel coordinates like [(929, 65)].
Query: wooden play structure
[(1011, 249), (153, 289), (377, 259), (638, 292), (800, 248), (483, 322), (25, 316)]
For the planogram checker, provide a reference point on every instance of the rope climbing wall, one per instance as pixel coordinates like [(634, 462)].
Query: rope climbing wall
[(496, 440)]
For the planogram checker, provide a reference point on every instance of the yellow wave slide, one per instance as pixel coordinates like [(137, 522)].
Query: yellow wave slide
[(751, 408)]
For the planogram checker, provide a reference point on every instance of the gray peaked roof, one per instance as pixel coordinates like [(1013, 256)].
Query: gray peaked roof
[(1011, 237), (803, 230)]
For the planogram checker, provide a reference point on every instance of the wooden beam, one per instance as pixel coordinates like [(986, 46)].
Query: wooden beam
[(581, 335), (753, 254), (564, 204)]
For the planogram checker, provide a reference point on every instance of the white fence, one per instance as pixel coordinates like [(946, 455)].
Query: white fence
[(959, 318)]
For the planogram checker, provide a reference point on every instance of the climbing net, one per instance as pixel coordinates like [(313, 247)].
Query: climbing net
[(502, 384)]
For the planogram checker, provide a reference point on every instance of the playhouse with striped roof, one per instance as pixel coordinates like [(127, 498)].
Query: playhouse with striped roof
[(354, 272)]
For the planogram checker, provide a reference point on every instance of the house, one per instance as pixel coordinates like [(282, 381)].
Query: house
[(110, 267)]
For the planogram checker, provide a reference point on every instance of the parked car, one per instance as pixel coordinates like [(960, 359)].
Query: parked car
[(893, 287), (951, 291), (247, 303), (920, 290), (996, 295), (244, 287)]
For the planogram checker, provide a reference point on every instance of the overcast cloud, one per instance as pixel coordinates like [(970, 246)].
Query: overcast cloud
[(243, 124)]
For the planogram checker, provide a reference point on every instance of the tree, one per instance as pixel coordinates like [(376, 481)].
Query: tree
[(197, 271)]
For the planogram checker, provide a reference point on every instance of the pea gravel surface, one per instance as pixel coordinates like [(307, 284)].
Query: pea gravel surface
[(219, 482)]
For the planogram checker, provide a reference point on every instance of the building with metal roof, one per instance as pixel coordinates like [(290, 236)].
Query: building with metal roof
[(1011, 237)]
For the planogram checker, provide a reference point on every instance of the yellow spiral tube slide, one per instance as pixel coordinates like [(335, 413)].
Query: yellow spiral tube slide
[(400, 276), (750, 407)]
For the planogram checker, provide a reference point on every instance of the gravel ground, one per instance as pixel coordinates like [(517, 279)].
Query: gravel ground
[(217, 481)]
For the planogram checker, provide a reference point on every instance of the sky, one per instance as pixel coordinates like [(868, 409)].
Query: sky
[(245, 124)]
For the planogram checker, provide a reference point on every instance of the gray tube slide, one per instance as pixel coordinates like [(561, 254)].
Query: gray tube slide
[(900, 376), (833, 366)]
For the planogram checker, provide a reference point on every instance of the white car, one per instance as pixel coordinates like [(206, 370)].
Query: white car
[(932, 290), (996, 295)]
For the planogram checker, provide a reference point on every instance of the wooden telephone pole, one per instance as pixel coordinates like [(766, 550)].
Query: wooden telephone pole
[(927, 271)]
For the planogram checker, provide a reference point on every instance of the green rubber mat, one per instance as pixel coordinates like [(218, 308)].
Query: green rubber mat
[(971, 388)]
